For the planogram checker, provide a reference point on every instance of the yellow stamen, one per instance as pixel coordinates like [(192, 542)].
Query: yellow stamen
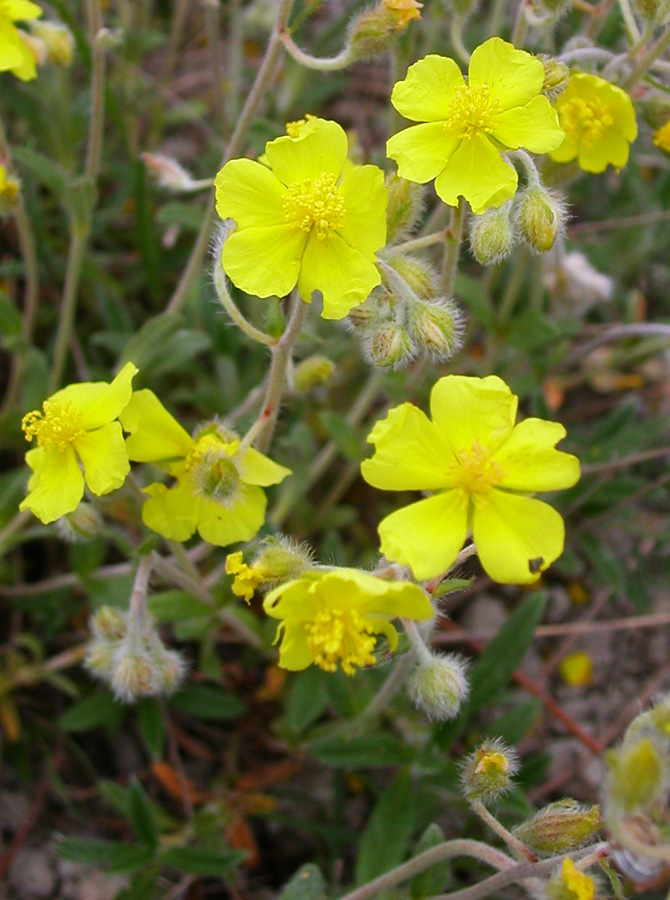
[(55, 428), (315, 203), (341, 634), (476, 470), (584, 120), (293, 129), (472, 110)]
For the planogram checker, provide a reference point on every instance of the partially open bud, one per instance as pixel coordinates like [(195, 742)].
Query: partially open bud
[(439, 686), (636, 774), (374, 31), (403, 11), (487, 773), (436, 328), (388, 346), (570, 883), (83, 524), (280, 559), (493, 235), (541, 216), (312, 372), (9, 192), (405, 201), (421, 277), (559, 827), (556, 76), (58, 40)]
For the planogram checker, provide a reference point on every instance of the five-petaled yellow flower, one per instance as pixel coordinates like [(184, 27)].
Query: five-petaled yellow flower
[(77, 427), (335, 616), (599, 123), (577, 884), (218, 490), (15, 55), (483, 466), (304, 218), (467, 125)]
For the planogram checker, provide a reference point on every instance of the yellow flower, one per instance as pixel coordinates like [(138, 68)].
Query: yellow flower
[(662, 137), (77, 427), (482, 465), (599, 122), (9, 192), (247, 578), (576, 669), (403, 11), (15, 55), (335, 616), (578, 884), (467, 125), (218, 490), (305, 218)]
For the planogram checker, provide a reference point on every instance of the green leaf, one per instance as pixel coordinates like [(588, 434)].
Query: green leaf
[(449, 585), (308, 699), (177, 606), (152, 726), (206, 701), (434, 879), (342, 434), (142, 816), (97, 709), (114, 856), (307, 884), (372, 750), (202, 862), (390, 827), (44, 169)]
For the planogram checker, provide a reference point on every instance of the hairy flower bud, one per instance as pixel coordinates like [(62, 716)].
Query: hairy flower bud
[(58, 40), (636, 774), (541, 216), (9, 192), (436, 328), (493, 235), (133, 674), (168, 173), (421, 277), (109, 624), (312, 372), (83, 524), (556, 76), (405, 202), (487, 773), (439, 686), (388, 345), (559, 827), (100, 658)]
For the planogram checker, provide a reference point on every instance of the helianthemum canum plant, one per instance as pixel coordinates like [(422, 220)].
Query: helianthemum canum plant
[(304, 219), (482, 467), (466, 127)]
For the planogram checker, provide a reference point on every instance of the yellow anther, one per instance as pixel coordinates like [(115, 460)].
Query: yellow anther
[(472, 110), (341, 635), (55, 428), (584, 120), (315, 203), (476, 471), (293, 129)]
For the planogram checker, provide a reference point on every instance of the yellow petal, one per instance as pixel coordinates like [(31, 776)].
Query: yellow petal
[(533, 126), (411, 452), (365, 198), (154, 434), (517, 538), (513, 76), (256, 468), (97, 401), (57, 488), (477, 171), (473, 410), (171, 512), (21, 9), (105, 458), (426, 536), (264, 261), (344, 276), (427, 90), (35, 460), (566, 152), (249, 193), (297, 599), (321, 147), (422, 151), (531, 463), (612, 149), (221, 525), (294, 654)]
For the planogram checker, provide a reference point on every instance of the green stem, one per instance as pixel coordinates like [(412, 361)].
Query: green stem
[(514, 285), (642, 67), (456, 36), (19, 521), (324, 64), (221, 285), (518, 848), (520, 25), (212, 14), (420, 242), (452, 246), (259, 89)]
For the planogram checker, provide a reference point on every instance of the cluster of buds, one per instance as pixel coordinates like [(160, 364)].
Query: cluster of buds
[(438, 685), (131, 659), (279, 559), (376, 29), (405, 318), (536, 216)]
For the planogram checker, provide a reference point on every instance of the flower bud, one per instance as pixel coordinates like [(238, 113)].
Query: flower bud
[(439, 686), (541, 216), (657, 718), (487, 773), (636, 774), (83, 524), (109, 624), (9, 192), (492, 235), (655, 110), (420, 277), (374, 31), (388, 345), (58, 40), (170, 669), (570, 883), (559, 827), (312, 372), (402, 11), (436, 328), (100, 658), (556, 76), (405, 202), (168, 173), (282, 559), (133, 674), (368, 313)]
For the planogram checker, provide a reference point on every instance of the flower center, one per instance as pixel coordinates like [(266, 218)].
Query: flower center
[(55, 428), (472, 110), (584, 120), (476, 471), (211, 470), (315, 203), (340, 634)]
